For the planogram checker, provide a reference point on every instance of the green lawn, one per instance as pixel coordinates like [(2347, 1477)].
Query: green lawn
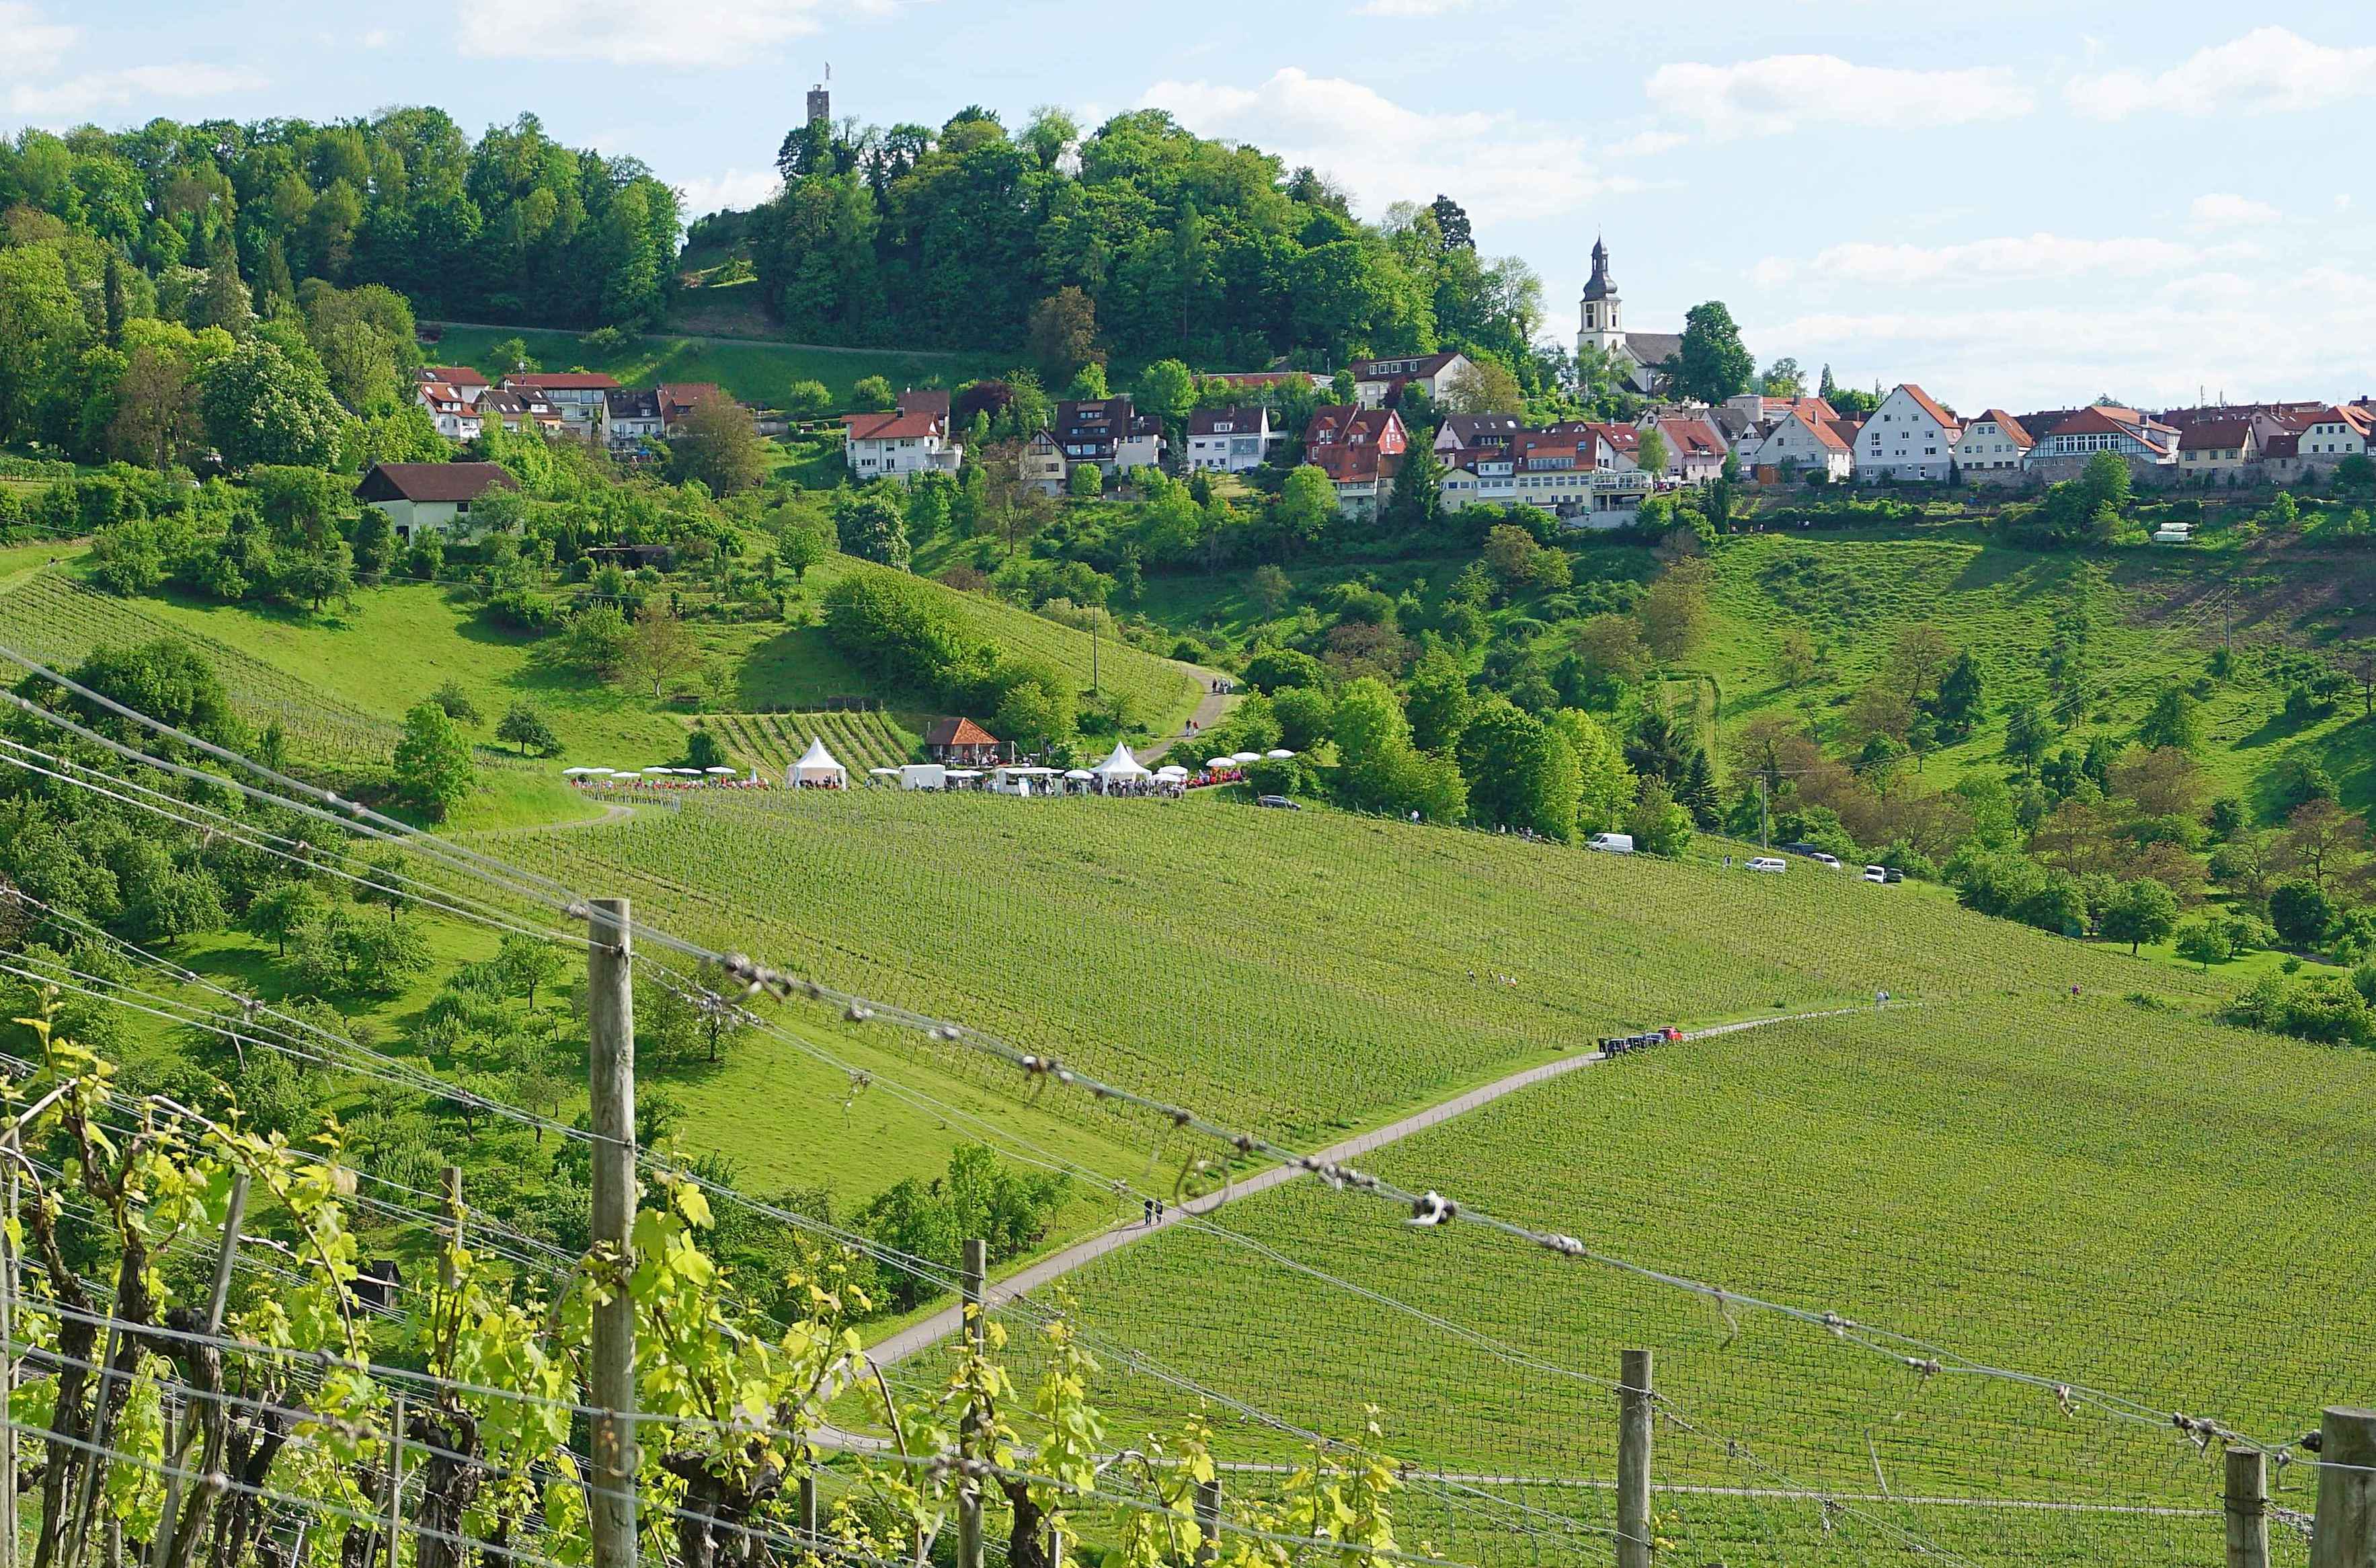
[(756, 372)]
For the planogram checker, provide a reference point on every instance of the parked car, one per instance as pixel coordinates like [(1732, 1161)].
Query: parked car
[(1876, 873), (1279, 803), (1830, 863), (1611, 843), (1894, 873), (1769, 863)]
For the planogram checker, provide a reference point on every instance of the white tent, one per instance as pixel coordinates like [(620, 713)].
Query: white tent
[(817, 767), (1120, 769)]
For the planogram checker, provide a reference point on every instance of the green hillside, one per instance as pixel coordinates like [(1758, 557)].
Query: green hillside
[(754, 372)]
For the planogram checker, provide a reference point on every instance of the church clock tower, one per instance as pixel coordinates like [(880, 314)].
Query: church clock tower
[(1603, 328)]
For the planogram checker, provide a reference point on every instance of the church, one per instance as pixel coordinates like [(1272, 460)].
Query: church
[(1637, 355)]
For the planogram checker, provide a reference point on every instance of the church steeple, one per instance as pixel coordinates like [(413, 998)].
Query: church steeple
[(1600, 307)]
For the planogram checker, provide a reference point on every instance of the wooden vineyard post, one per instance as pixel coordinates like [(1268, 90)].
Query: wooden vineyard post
[(9, 1365), (1209, 1520), (447, 1275), (976, 1270), (809, 1508), (394, 1501), (2344, 1535), (2248, 1508), (611, 1068), (1635, 1414)]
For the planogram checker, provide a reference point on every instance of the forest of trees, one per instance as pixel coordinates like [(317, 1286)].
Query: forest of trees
[(1215, 254), (513, 228)]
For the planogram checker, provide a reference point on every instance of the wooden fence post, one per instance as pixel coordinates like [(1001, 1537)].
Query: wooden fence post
[(2344, 1535), (395, 1499), (1634, 1414), (1209, 1520), (610, 1065), (975, 1272), (9, 1365), (2247, 1505)]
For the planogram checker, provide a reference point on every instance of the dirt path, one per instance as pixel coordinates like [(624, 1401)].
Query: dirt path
[(1210, 707), (930, 1331)]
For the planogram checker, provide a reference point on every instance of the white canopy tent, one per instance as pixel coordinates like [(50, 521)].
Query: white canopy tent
[(1120, 769), (818, 770)]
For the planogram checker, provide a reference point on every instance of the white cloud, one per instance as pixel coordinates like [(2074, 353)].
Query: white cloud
[(2269, 68), (1783, 92), (2007, 258), (378, 38), (1494, 164), (135, 84), (735, 188), (35, 45), (2221, 210), (686, 33), (2252, 337), (1412, 8)]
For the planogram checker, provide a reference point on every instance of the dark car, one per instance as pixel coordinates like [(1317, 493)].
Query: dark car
[(1892, 873), (1279, 803)]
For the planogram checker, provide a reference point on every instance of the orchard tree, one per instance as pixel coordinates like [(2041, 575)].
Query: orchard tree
[(1305, 507), (2143, 911), (720, 446), (432, 772), (261, 407), (873, 527), (2205, 941), (663, 645), (523, 725)]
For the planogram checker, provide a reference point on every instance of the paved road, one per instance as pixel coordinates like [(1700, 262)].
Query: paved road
[(930, 1331)]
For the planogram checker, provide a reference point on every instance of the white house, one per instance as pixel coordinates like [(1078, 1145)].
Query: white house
[(1909, 438), (1805, 440), (631, 417), (1464, 433), (1993, 446), (466, 384), (1111, 433), (1230, 441), (901, 443), (457, 418), (1481, 476), (429, 498), (2106, 427), (576, 396), (2334, 433), (1378, 382)]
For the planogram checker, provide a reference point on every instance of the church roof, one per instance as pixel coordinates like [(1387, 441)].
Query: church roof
[(1600, 286), (1654, 349)]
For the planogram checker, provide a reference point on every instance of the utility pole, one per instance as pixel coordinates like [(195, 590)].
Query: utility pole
[(610, 1067), (977, 1266), (2344, 1535), (1635, 1414), (2248, 1508)]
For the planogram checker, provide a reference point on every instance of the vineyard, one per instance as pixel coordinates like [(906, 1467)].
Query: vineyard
[(1306, 971), (56, 620), (2083, 1189), (773, 742)]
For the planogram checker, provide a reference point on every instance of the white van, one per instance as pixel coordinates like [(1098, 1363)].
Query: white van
[(1611, 843), (1830, 863), (1768, 863), (1877, 874)]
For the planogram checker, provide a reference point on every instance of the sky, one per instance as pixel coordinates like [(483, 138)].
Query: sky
[(2022, 205)]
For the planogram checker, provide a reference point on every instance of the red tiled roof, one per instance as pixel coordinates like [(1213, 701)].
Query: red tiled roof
[(1349, 463), (2099, 421), (452, 374), (2286, 443), (684, 395), (1815, 409), (1847, 429), (1691, 437), (959, 732), (891, 426)]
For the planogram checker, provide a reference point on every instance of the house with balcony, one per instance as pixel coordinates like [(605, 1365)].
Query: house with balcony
[(1230, 441), (576, 396), (911, 438)]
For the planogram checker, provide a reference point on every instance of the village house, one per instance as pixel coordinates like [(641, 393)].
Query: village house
[(1479, 476), (960, 742), (1379, 384), (1043, 465), (1994, 448), (455, 417), (516, 412), (631, 417), (1109, 431), (1466, 432), (2062, 451), (1351, 424), (1231, 441), (1362, 471), (1908, 438), (2334, 433), (429, 498), (911, 438), (678, 398), (1696, 451), (1804, 440), (1639, 358), (576, 396), (2217, 451), (466, 384)]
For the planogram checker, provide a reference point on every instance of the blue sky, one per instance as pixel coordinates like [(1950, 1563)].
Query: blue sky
[(2022, 204)]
